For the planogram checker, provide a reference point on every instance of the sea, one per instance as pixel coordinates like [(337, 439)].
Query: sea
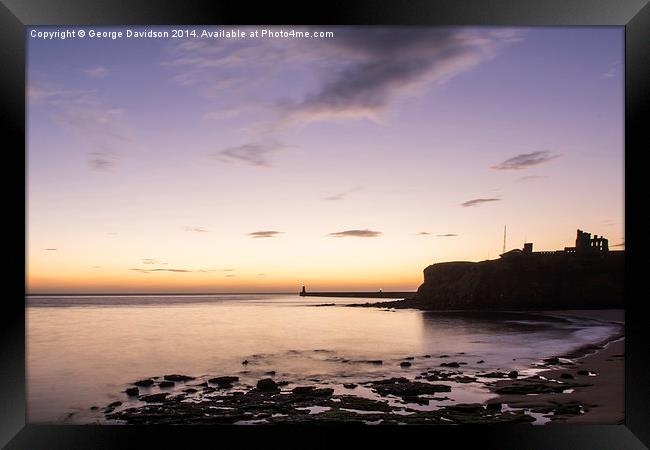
[(84, 351)]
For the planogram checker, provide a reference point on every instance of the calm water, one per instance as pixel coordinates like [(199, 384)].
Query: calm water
[(84, 351)]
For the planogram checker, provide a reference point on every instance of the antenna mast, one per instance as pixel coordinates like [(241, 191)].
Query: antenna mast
[(504, 239)]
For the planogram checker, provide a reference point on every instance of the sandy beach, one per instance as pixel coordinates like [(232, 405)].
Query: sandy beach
[(598, 371)]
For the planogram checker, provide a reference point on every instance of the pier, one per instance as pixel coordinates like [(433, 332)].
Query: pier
[(374, 294)]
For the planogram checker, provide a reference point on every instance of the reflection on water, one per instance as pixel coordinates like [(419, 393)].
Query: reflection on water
[(83, 351)]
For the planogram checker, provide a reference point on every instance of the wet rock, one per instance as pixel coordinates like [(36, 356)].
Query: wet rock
[(496, 406), (409, 358), (566, 376), (513, 374), (554, 360), (427, 356), (153, 398), (532, 386), (312, 391), (349, 385), (267, 385), (244, 362), (176, 377), (133, 392), (363, 404), (190, 391), (443, 356), (144, 383), (463, 379), (300, 390), (586, 373), (480, 362), (376, 362), (466, 407), (415, 399), (223, 382), (496, 374), (270, 372), (282, 383), (94, 408), (112, 406), (405, 364), (166, 384), (401, 387), (450, 364)]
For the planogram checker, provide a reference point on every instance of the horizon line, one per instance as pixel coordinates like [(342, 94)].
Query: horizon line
[(46, 294)]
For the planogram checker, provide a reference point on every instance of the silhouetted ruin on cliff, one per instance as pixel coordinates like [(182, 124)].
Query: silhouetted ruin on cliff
[(588, 275)]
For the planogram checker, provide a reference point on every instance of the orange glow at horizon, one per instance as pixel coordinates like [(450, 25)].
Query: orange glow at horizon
[(261, 165)]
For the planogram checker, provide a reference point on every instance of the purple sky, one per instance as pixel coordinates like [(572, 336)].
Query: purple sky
[(344, 162)]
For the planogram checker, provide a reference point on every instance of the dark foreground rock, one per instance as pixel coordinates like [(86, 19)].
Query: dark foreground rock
[(266, 403), (267, 384), (223, 382), (154, 397), (287, 407), (132, 392), (404, 388), (532, 385), (175, 377)]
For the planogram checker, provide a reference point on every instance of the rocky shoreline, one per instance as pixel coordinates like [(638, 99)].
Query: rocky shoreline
[(559, 391)]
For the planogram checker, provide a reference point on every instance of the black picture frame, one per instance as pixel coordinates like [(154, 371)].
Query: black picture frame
[(15, 15)]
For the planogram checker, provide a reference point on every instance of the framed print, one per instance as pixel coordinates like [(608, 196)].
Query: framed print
[(390, 220)]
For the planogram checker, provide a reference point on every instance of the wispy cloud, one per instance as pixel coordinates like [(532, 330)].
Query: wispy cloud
[(342, 195), (51, 249), (153, 261), (97, 72), (526, 160), (195, 229), (101, 161), (357, 74), (424, 233), (100, 126), (478, 201), (356, 233), (264, 234), (170, 270), (446, 235), (528, 178), (378, 65), (254, 153)]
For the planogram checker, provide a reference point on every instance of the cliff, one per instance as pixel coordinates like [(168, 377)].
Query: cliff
[(534, 281)]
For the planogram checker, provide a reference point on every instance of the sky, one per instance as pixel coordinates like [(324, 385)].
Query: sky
[(348, 162)]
